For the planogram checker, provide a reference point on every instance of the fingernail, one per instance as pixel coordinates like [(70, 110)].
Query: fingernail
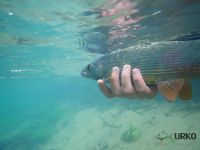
[(100, 81), (115, 69), (126, 66), (135, 70)]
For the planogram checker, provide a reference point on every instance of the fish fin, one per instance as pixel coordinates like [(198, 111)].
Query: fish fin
[(170, 89), (186, 91)]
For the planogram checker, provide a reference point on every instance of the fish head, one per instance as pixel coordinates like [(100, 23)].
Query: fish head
[(94, 71)]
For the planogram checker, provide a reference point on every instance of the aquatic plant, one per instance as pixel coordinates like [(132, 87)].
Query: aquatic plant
[(131, 134)]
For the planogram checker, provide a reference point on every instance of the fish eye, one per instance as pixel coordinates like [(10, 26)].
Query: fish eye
[(90, 66)]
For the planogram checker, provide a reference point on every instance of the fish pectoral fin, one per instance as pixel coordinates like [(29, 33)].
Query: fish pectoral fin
[(170, 89), (186, 91)]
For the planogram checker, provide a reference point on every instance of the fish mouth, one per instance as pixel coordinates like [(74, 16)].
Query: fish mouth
[(84, 73)]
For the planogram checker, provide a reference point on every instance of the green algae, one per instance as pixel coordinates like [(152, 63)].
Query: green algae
[(131, 134)]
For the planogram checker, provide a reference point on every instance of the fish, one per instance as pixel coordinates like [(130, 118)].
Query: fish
[(171, 65)]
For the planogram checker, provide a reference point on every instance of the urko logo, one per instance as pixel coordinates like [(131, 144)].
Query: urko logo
[(185, 136), (162, 136)]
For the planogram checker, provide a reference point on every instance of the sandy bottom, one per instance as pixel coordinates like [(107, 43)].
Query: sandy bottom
[(102, 128)]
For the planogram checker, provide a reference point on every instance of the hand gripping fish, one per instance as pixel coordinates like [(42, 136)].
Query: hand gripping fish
[(169, 64)]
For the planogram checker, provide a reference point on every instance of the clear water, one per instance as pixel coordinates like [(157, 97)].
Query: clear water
[(44, 102)]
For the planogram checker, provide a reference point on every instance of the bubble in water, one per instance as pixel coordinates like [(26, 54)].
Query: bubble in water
[(10, 13)]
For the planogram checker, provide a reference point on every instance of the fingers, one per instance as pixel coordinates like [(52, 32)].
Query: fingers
[(115, 81), (104, 89), (125, 88), (142, 89), (126, 78)]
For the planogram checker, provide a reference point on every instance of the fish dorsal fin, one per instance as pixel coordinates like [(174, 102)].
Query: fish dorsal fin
[(186, 91), (170, 89)]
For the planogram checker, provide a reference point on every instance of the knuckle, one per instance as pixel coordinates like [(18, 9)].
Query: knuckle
[(127, 91), (116, 93), (125, 82), (112, 78), (114, 75), (136, 79), (142, 91)]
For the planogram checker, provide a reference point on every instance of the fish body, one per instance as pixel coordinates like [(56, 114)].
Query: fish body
[(158, 62)]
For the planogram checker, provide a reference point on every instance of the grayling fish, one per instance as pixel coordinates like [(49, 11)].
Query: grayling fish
[(170, 65)]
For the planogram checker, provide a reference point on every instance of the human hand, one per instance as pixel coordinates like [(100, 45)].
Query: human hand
[(126, 89)]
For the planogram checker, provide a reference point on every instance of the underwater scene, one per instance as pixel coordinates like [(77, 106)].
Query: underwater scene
[(47, 103)]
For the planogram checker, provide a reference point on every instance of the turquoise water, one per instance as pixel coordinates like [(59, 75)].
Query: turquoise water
[(44, 102)]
